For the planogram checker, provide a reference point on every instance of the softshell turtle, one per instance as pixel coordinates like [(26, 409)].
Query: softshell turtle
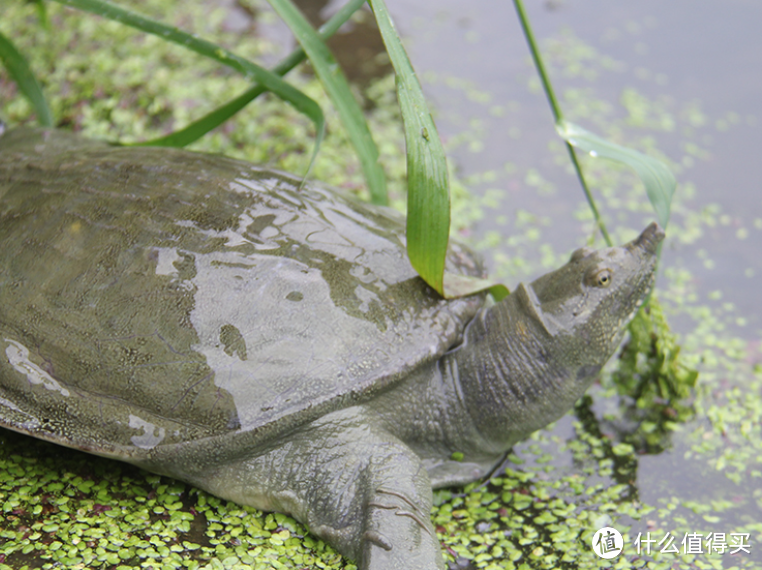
[(203, 318)]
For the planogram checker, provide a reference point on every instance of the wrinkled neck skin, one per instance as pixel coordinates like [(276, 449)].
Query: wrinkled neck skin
[(534, 379), (477, 401)]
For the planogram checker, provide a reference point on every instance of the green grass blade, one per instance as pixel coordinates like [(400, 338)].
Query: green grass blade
[(210, 121), (550, 94), (250, 70), (428, 199), (19, 70), (659, 182), (42, 14), (337, 87)]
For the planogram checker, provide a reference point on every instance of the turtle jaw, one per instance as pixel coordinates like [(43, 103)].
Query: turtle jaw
[(645, 247)]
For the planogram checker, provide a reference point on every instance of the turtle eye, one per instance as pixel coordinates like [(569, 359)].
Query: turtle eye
[(603, 278)]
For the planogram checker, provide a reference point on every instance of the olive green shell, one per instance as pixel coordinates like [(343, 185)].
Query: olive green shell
[(154, 297)]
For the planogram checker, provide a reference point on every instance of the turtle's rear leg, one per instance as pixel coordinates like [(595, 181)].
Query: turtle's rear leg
[(351, 482)]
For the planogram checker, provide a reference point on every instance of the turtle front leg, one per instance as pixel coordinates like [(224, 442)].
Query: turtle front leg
[(396, 519), (352, 483), (398, 534)]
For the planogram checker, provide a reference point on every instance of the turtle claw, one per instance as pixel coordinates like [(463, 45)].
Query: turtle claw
[(377, 538)]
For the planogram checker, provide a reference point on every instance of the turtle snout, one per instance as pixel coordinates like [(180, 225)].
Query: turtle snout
[(650, 239)]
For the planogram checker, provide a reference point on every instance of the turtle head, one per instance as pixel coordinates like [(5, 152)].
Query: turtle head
[(585, 305), (529, 357)]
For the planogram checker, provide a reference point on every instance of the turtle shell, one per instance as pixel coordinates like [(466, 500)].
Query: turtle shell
[(153, 298)]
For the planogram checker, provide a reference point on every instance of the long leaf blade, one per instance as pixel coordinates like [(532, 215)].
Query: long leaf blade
[(215, 118), (337, 87), (428, 200), (660, 183), (210, 121), (207, 49), (19, 70)]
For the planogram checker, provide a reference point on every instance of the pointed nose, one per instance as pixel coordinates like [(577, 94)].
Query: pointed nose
[(650, 239)]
